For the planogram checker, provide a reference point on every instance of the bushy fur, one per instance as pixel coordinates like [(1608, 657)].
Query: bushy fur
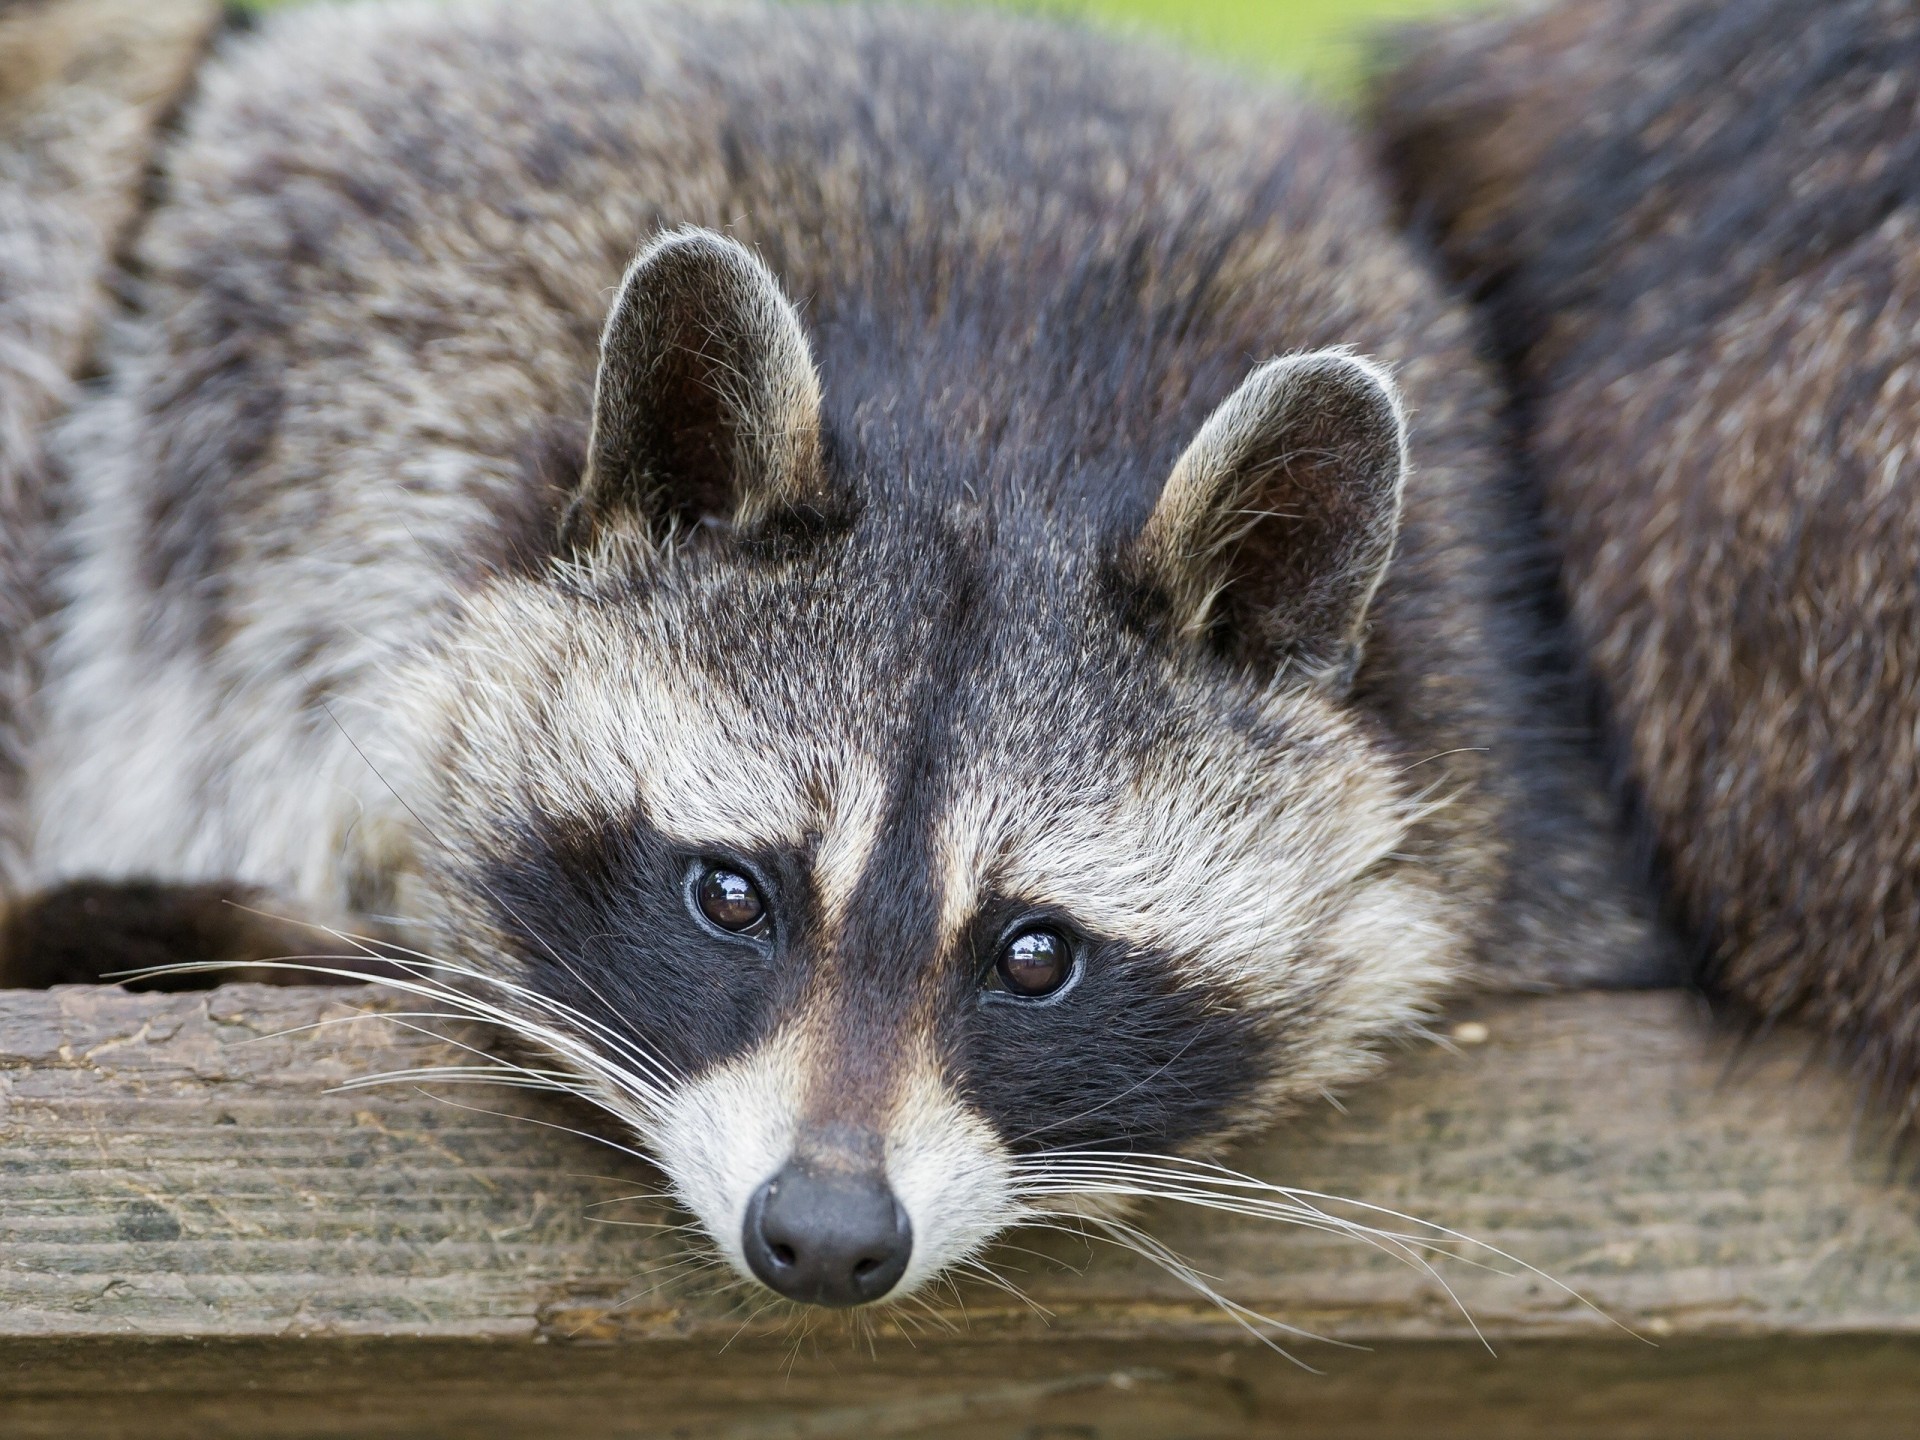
[(83, 87), (372, 606), (1697, 230)]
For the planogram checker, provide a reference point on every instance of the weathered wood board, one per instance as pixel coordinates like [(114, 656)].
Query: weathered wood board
[(197, 1240)]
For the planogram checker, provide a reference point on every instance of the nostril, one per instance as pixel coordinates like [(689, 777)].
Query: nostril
[(826, 1237)]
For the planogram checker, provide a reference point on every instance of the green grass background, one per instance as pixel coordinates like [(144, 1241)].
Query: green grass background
[(1322, 41)]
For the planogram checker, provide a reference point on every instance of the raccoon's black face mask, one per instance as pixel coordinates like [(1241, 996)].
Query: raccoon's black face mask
[(875, 845)]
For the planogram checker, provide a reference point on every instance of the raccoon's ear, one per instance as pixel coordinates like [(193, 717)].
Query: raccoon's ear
[(706, 405), (1277, 524)]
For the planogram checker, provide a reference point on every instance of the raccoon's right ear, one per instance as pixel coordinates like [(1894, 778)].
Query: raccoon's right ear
[(1277, 524), (706, 405)]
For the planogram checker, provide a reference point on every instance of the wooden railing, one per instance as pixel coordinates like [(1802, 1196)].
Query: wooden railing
[(198, 1239)]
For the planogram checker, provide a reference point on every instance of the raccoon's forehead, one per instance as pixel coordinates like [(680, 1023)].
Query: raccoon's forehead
[(1034, 749)]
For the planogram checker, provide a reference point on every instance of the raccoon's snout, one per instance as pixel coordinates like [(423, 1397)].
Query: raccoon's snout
[(827, 1237)]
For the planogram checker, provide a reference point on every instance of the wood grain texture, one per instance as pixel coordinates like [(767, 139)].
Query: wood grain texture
[(196, 1239)]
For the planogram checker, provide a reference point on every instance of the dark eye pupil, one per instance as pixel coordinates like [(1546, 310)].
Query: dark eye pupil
[(729, 900), (1034, 962)]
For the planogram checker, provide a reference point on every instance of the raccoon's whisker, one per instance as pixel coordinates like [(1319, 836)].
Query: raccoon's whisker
[(935, 1317), (691, 1232), (450, 1075), (907, 1327), (1188, 1171), (660, 1275), (1421, 808), (548, 1124), (793, 1355), (1143, 1182), (1142, 1244), (499, 1071), (729, 1281), (862, 1329), (665, 1276), (1409, 1250), (419, 959), (1008, 1245), (544, 1035), (654, 1195), (1126, 1237), (645, 1088), (491, 893), (946, 1278), (619, 1180), (560, 1080), (360, 1016), (1211, 1174), (982, 1271), (627, 1043), (1132, 1185), (503, 1073), (659, 1075), (1115, 1099), (753, 1316), (1457, 750), (473, 1006)]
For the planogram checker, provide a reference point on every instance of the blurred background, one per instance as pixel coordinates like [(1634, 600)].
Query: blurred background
[(1323, 42)]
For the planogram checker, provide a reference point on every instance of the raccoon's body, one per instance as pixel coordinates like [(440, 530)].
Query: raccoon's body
[(1697, 229), (962, 713), (82, 89)]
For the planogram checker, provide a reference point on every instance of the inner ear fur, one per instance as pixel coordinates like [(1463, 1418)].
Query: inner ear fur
[(706, 405), (1278, 522)]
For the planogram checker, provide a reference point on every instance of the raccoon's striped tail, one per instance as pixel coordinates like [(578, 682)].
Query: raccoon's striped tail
[(85, 89)]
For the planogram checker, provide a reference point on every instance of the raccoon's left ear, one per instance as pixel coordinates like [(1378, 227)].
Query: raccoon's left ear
[(706, 405), (1277, 524)]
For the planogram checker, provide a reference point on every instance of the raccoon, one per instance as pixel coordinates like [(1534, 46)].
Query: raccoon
[(924, 599), (1696, 229)]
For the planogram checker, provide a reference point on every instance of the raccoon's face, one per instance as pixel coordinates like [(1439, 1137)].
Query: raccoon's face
[(871, 864)]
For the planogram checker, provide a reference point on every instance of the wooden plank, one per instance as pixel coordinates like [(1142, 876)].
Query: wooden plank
[(184, 1212)]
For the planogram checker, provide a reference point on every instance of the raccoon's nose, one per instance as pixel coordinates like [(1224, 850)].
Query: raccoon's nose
[(827, 1237)]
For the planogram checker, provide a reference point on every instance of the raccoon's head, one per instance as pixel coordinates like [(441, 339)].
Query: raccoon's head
[(873, 859)]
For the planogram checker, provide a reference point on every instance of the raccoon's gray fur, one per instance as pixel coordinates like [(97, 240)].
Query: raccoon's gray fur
[(82, 87), (1003, 584), (1697, 229)]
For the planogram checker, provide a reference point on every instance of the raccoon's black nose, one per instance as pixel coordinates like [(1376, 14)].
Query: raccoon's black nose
[(827, 1237)]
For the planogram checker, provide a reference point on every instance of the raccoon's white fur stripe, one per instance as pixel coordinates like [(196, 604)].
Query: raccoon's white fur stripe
[(949, 1171), (621, 723), (721, 1136), (624, 725)]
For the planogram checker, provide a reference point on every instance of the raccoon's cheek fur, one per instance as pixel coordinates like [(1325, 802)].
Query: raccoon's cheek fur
[(825, 1214)]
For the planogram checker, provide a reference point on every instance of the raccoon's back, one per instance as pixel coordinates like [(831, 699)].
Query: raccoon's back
[(1698, 229), (1030, 259), (82, 91)]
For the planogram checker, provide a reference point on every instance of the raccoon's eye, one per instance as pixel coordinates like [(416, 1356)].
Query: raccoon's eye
[(730, 900), (1034, 963)]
